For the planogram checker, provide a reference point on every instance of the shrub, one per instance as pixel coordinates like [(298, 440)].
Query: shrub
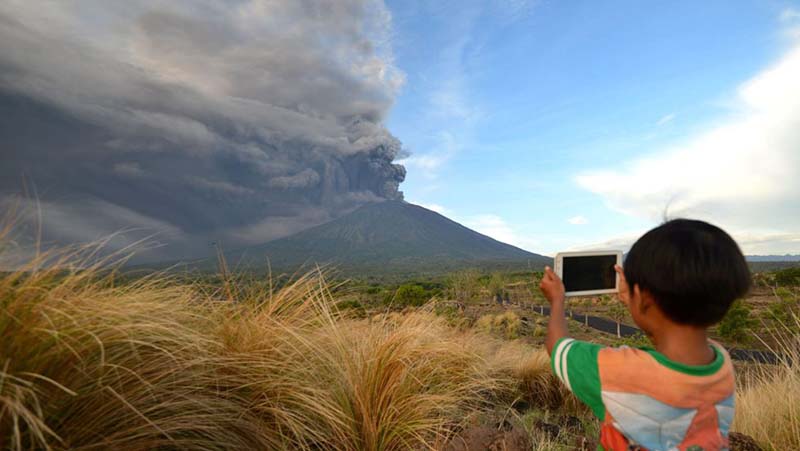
[(507, 325), (789, 277), (637, 340), (780, 310), (409, 295), (737, 322), (485, 324)]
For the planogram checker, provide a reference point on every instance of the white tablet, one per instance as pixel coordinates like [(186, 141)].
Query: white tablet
[(587, 273)]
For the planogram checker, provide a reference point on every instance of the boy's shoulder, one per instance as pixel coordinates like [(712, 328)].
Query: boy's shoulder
[(644, 371), (645, 395)]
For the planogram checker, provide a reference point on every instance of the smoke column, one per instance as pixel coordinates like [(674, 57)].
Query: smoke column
[(238, 121)]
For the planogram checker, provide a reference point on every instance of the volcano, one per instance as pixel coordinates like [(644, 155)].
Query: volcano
[(388, 237)]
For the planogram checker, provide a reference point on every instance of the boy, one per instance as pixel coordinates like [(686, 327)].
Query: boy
[(679, 279)]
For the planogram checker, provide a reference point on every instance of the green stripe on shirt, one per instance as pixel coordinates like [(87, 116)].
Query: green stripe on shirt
[(575, 363)]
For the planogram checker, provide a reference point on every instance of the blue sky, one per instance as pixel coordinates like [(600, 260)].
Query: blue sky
[(564, 125)]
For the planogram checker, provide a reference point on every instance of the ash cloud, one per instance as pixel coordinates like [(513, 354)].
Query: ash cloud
[(239, 121)]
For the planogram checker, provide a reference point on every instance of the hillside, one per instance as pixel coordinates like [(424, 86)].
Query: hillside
[(773, 258), (385, 237)]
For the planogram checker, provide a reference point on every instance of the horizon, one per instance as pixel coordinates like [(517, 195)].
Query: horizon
[(545, 126)]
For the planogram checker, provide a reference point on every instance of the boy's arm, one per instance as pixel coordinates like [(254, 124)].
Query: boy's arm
[(575, 362), (553, 290)]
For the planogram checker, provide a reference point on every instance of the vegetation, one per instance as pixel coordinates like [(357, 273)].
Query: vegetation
[(618, 313), (737, 322), (507, 325), (768, 399), (409, 295), (92, 359), (637, 340), (463, 285), (88, 362), (789, 277)]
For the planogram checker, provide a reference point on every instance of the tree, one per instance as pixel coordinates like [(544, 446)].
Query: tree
[(464, 284), (617, 311), (496, 284)]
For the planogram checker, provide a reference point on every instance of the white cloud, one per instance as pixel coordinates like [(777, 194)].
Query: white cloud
[(429, 163), (790, 18), (488, 224), (743, 174), (578, 220), (665, 119), (789, 15), (497, 228), (622, 242)]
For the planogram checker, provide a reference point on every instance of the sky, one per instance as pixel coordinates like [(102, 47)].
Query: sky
[(574, 125), (545, 124)]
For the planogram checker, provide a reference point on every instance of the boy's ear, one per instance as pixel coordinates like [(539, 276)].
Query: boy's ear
[(643, 298)]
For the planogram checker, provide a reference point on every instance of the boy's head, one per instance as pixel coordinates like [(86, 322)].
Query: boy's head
[(692, 270)]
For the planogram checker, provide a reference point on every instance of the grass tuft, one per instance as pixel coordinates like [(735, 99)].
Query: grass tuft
[(88, 362)]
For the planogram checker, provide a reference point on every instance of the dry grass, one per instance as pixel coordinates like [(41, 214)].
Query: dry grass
[(89, 363), (768, 398), (506, 325)]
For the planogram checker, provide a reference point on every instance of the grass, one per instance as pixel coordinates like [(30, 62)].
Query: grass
[(768, 396), (506, 324), (89, 363)]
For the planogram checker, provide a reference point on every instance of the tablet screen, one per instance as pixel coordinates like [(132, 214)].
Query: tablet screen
[(591, 272)]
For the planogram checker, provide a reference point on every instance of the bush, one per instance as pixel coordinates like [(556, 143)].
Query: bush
[(783, 308), (789, 277), (485, 324), (737, 322), (506, 325), (637, 340), (410, 296), (780, 311)]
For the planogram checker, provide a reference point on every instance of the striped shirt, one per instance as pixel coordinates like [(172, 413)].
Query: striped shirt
[(646, 401)]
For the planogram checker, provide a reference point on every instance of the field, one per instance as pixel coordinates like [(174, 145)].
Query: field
[(94, 359)]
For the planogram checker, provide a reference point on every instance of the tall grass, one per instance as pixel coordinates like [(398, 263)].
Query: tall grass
[(768, 396), (87, 362)]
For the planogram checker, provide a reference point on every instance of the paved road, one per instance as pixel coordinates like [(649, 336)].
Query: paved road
[(608, 326)]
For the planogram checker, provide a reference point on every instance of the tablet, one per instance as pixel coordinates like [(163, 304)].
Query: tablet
[(588, 273)]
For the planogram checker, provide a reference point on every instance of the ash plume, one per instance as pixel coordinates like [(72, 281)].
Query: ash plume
[(239, 121)]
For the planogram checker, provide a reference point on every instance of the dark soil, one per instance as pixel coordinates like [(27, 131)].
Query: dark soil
[(483, 438)]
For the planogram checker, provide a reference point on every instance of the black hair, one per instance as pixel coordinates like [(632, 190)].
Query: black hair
[(693, 270)]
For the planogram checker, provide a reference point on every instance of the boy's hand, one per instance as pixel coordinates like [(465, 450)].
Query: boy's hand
[(552, 287), (624, 289)]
